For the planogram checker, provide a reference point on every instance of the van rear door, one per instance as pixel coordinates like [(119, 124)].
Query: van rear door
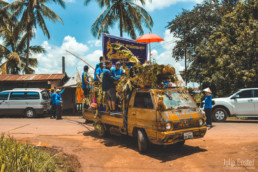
[(45, 100), (4, 102)]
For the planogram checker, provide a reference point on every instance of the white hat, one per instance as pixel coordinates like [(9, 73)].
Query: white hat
[(58, 90), (208, 90)]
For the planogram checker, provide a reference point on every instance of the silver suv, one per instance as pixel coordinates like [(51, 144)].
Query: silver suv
[(24, 101), (243, 103)]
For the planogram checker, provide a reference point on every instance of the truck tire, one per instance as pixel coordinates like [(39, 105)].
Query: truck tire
[(219, 115), (100, 129), (142, 141), (30, 113)]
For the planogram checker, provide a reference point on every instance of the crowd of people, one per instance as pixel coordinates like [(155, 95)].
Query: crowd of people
[(106, 75)]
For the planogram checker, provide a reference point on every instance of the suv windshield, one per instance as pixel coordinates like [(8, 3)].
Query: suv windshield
[(176, 100)]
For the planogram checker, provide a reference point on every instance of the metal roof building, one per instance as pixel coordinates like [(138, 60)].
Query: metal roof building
[(31, 81)]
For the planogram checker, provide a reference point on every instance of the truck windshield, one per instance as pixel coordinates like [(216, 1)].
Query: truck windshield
[(176, 100)]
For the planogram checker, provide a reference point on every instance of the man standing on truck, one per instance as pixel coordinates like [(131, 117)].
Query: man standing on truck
[(117, 72), (97, 65), (109, 86), (99, 71)]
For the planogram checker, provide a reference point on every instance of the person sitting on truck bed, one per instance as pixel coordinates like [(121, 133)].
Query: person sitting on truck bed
[(109, 86)]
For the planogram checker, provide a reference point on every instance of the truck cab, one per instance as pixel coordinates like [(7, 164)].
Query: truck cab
[(156, 116)]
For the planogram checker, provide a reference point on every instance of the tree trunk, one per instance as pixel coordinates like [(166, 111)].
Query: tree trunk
[(185, 63), (121, 21), (28, 52)]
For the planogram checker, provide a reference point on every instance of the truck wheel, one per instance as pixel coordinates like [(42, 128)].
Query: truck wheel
[(142, 141), (30, 113), (100, 129), (219, 115)]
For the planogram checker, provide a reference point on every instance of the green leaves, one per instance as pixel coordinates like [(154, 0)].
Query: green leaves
[(231, 51), (129, 15)]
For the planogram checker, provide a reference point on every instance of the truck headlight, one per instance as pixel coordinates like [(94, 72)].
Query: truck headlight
[(168, 126), (201, 122)]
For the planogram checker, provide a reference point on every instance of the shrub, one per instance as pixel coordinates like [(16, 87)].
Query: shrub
[(15, 156)]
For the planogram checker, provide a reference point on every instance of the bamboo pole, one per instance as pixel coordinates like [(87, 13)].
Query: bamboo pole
[(80, 59)]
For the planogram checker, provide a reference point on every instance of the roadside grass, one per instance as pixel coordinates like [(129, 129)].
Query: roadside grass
[(20, 157)]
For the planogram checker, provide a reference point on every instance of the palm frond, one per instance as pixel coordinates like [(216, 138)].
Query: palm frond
[(47, 12), (42, 24)]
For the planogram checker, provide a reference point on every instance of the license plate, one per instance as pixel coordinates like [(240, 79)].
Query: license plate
[(188, 135)]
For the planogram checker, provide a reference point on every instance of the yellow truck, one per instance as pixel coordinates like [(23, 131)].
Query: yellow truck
[(157, 116)]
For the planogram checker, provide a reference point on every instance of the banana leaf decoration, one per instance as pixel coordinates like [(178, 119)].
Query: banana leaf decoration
[(125, 52)]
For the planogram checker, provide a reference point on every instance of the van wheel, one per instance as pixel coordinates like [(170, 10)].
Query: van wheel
[(142, 141), (219, 115), (30, 113)]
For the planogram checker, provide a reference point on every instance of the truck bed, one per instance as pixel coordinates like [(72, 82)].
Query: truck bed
[(114, 119)]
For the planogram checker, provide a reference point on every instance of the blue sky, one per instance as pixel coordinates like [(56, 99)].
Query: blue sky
[(74, 34)]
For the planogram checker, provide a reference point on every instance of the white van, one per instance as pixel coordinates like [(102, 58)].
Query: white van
[(30, 102)]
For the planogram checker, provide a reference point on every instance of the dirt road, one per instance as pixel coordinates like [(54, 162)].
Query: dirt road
[(229, 146)]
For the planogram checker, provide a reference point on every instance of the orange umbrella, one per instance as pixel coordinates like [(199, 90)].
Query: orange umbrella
[(149, 38)]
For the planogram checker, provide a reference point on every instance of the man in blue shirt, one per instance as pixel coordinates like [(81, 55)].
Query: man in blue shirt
[(98, 73), (97, 65), (208, 106), (53, 104), (85, 82), (117, 72), (109, 85), (59, 103)]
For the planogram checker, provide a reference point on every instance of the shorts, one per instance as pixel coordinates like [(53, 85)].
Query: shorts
[(111, 93)]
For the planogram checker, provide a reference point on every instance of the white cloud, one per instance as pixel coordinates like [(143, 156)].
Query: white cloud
[(92, 59), (160, 4), (166, 56), (51, 61), (96, 43)]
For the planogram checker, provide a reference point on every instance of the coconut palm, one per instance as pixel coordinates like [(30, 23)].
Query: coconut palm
[(130, 15), (101, 3), (14, 50), (33, 13)]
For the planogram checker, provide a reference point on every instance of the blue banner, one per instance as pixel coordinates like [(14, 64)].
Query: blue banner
[(124, 50)]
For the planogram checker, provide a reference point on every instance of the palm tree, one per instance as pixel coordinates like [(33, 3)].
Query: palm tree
[(14, 50), (101, 3), (32, 13), (130, 17)]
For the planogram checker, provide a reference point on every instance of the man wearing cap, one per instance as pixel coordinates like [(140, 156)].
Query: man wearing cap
[(109, 85), (98, 73), (208, 106), (59, 103), (116, 71)]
